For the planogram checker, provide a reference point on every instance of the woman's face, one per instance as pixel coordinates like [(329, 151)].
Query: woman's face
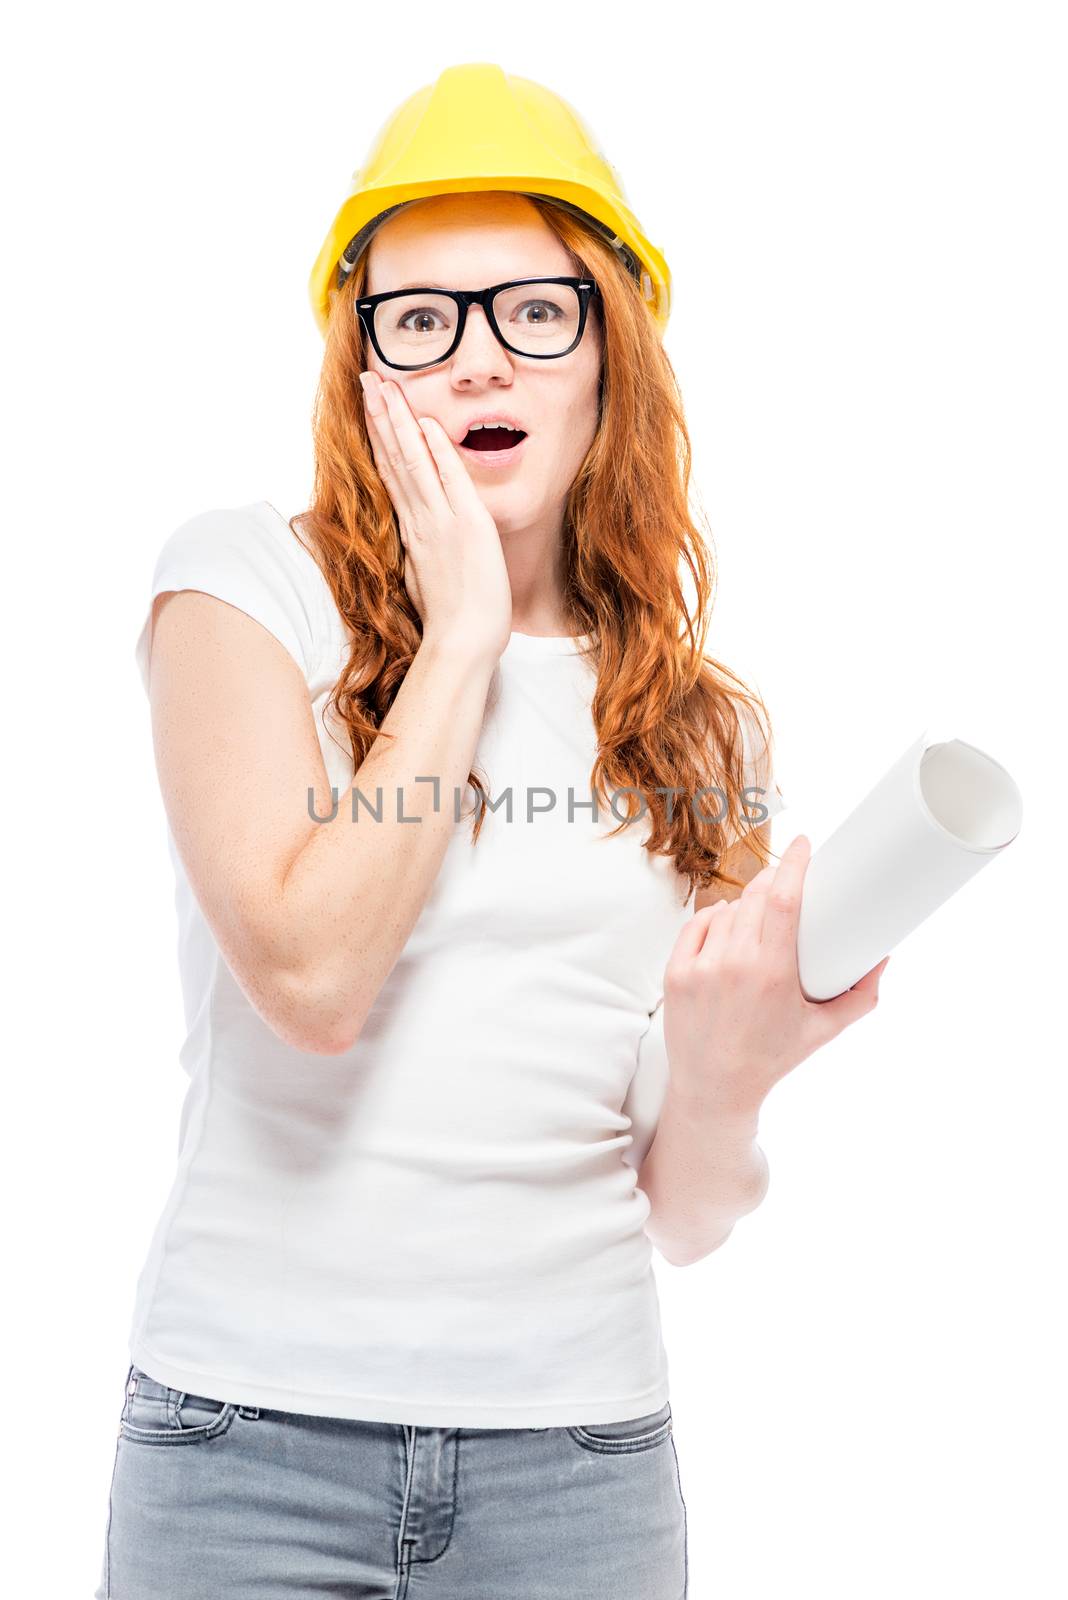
[(467, 241)]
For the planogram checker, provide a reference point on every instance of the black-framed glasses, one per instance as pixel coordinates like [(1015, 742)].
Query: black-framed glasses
[(412, 328)]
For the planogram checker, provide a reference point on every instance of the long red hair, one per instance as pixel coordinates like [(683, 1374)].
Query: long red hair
[(666, 715)]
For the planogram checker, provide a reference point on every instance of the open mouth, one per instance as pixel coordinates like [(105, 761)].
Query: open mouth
[(498, 439)]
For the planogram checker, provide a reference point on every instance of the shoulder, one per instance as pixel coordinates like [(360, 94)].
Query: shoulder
[(254, 536), (249, 556)]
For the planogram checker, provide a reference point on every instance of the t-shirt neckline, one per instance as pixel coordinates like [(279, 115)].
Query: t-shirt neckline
[(530, 644)]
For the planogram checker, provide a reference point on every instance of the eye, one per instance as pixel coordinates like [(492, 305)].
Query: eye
[(543, 306), (422, 315)]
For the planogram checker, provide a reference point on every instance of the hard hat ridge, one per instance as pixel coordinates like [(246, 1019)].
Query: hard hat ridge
[(476, 129)]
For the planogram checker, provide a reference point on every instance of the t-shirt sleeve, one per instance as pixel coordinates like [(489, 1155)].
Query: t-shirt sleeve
[(237, 554), (644, 1099)]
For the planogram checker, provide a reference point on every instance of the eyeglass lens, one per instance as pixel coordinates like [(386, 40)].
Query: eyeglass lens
[(535, 318)]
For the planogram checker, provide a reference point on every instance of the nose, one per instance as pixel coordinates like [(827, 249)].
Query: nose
[(480, 355)]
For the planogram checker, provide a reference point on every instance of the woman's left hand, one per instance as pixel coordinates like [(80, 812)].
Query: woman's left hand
[(735, 1017)]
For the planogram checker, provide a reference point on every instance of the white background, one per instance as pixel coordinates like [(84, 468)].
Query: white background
[(863, 207)]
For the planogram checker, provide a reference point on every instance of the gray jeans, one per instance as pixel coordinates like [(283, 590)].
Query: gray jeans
[(209, 1499)]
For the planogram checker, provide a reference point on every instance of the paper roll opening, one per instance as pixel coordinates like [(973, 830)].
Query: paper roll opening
[(970, 795)]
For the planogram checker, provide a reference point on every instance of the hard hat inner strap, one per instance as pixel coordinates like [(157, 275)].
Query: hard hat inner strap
[(359, 241)]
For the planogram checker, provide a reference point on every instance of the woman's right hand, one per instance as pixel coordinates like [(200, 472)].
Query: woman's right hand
[(454, 566)]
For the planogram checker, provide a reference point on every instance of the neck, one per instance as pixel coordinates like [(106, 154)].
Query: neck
[(534, 558)]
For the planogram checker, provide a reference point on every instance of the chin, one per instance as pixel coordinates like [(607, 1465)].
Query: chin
[(496, 497), (509, 512)]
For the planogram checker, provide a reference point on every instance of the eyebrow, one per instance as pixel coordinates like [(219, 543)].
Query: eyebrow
[(417, 283)]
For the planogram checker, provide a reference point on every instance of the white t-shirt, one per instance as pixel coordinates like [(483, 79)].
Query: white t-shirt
[(441, 1226)]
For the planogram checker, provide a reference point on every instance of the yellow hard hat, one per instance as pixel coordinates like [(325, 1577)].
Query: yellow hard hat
[(480, 128)]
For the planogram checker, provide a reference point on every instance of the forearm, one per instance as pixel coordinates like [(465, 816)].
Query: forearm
[(703, 1170), (352, 896)]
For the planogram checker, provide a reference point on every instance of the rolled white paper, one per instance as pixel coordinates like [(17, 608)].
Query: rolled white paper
[(941, 812)]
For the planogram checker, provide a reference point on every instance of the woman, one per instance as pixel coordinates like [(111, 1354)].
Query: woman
[(400, 1303)]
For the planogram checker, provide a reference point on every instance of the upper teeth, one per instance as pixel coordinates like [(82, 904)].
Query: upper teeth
[(476, 425)]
